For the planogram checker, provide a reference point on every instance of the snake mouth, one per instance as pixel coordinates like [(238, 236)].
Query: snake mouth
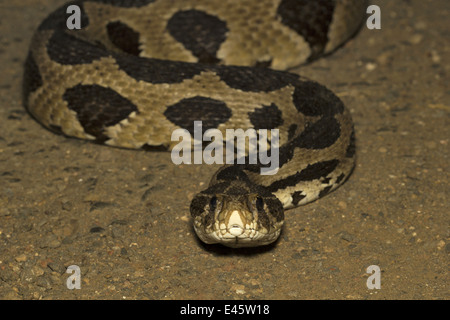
[(246, 238)]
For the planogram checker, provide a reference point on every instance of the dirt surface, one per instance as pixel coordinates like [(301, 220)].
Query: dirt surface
[(122, 216)]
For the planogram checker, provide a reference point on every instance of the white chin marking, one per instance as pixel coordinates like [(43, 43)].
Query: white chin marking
[(235, 224)]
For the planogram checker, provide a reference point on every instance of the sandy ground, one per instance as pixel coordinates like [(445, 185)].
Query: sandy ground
[(122, 215)]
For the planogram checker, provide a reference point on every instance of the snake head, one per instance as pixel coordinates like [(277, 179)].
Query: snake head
[(237, 214)]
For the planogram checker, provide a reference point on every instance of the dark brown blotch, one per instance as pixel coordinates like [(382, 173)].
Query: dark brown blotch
[(97, 108)]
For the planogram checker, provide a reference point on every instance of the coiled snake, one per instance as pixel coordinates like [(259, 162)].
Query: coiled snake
[(138, 70)]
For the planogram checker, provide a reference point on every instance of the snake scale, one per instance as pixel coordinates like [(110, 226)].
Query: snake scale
[(138, 70)]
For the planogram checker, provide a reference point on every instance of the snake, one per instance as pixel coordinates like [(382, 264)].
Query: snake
[(129, 73)]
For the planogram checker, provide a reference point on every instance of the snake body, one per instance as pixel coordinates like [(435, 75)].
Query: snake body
[(138, 70)]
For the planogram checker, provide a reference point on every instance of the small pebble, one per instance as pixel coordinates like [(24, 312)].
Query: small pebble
[(96, 229), (342, 205), (21, 258), (416, 39), (371, 66), (56, 267), (344, 235), (238, 288)]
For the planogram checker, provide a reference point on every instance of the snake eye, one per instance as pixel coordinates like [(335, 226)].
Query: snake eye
[(256, 204), (259, 204), (215, 204)]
